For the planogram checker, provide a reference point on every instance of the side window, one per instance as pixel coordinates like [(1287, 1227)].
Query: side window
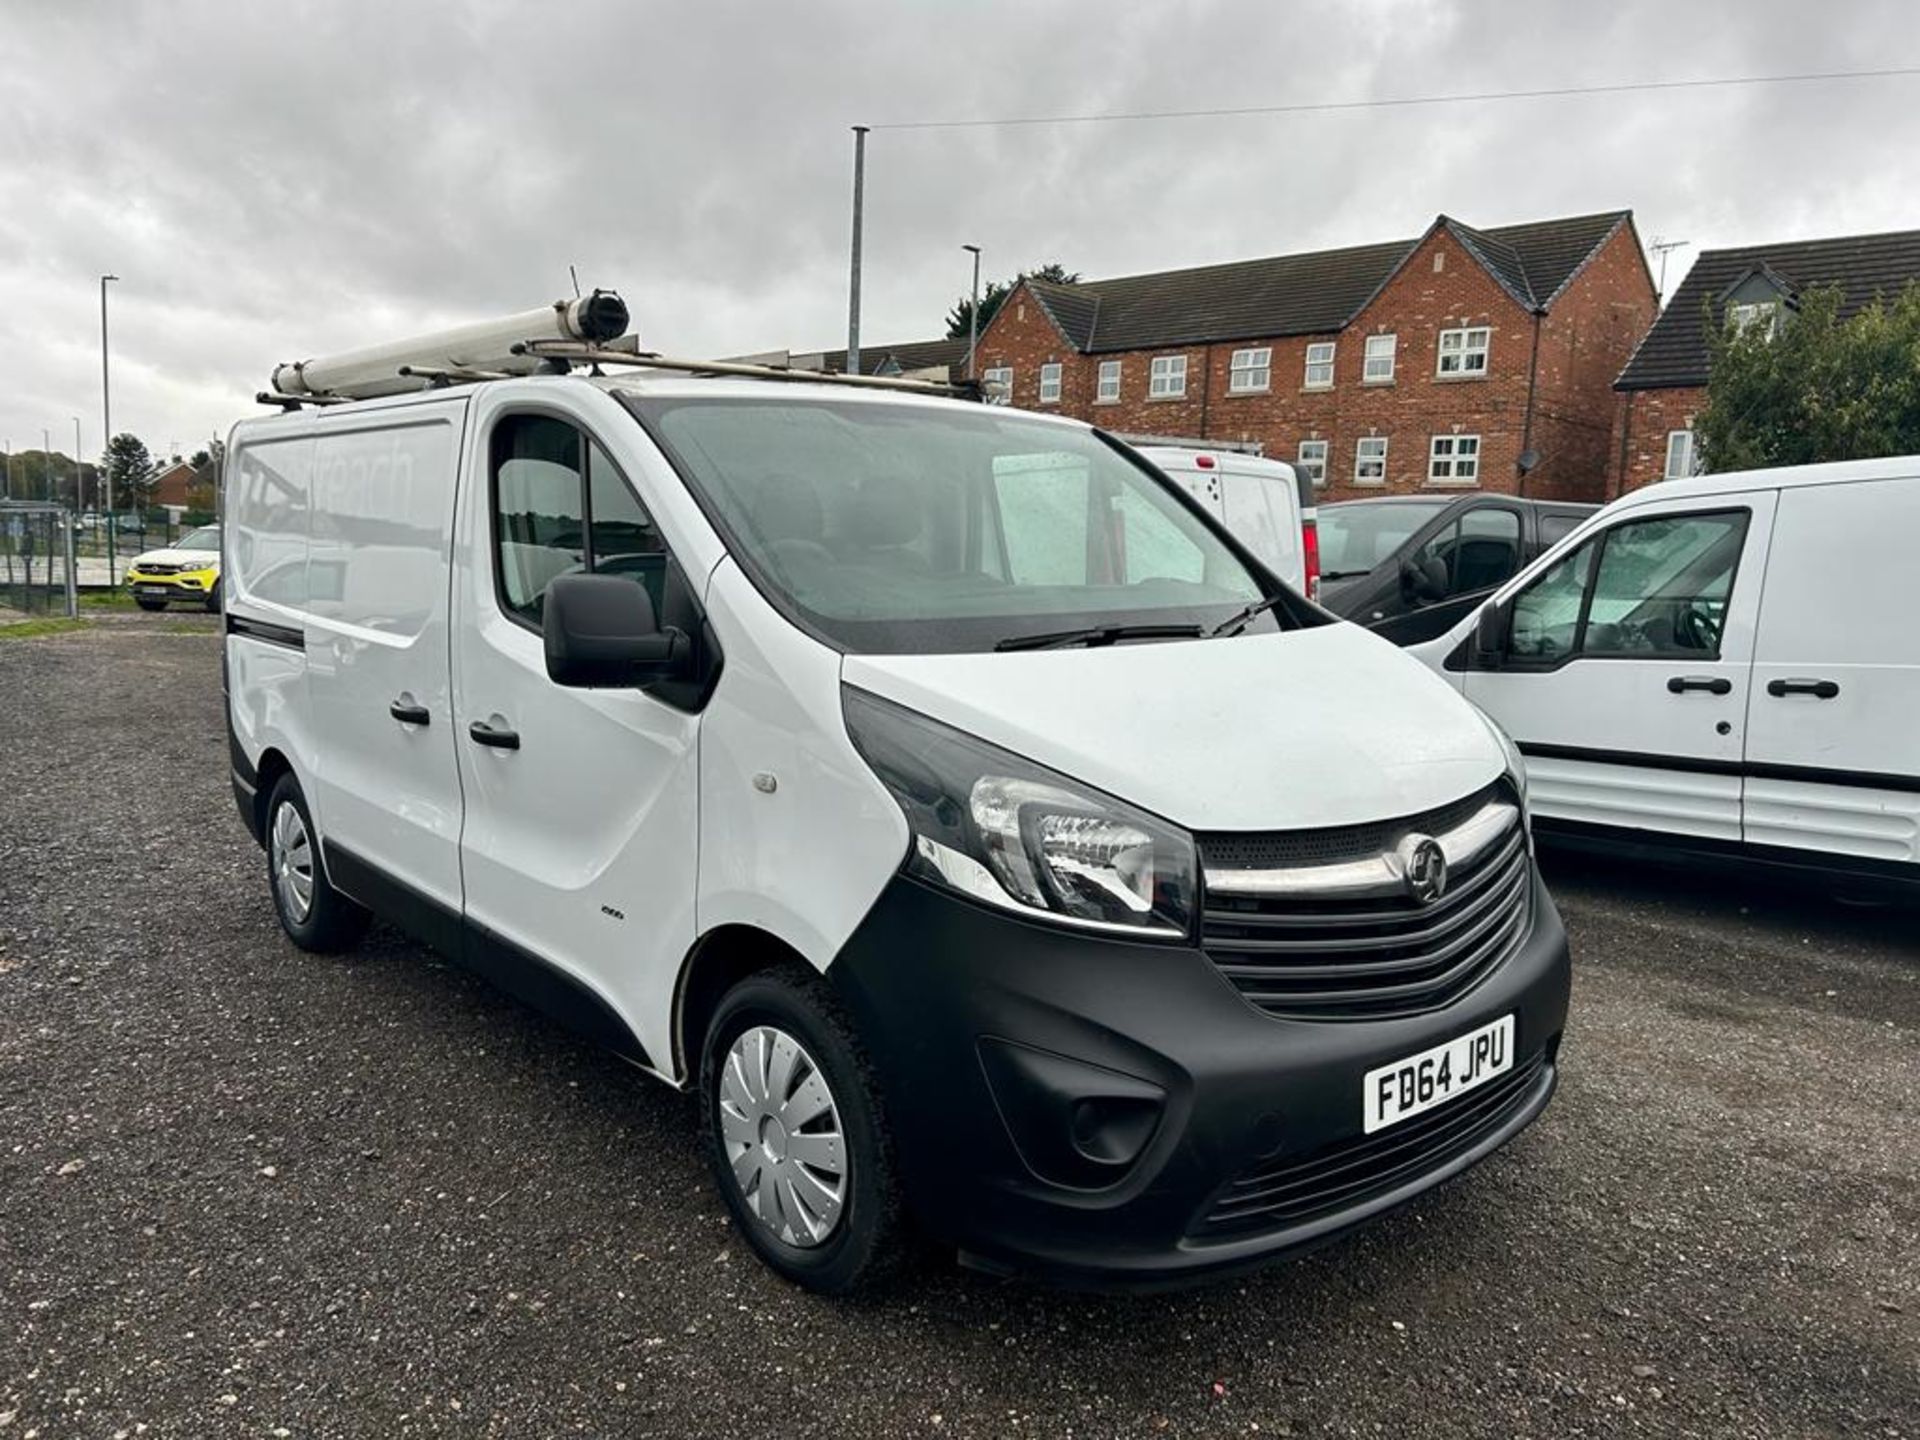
[(1555, 528), (623, 538), (539, 518), (1043, 519), (1662, 586), (1546, 615), (1478, 553), (1152, 547), (1644, 589), (561, 507)]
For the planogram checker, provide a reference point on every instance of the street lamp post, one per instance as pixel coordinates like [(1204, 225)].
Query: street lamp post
[(79, 475), (853, 291), (46, 463), (973, 310), (106, 427)]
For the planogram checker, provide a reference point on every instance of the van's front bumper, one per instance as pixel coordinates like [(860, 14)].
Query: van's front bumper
[(1077, 1107)]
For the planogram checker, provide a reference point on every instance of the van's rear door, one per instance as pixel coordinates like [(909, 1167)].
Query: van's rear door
[(384, 785), (1833, 742), (1262, 509)]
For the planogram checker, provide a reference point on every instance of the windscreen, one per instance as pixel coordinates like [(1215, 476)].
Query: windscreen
[(207, 537), (922, 528)]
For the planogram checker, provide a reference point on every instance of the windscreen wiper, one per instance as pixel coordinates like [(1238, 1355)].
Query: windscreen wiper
[(1234, 624), (1100, 635)]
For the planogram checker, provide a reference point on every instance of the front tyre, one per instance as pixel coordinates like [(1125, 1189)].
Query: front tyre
[(796, 1134), (213, 599), (315, 916)]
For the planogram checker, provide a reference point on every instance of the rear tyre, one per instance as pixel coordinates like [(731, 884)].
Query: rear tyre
[(145, 604), (797, 1135), (315, 916)]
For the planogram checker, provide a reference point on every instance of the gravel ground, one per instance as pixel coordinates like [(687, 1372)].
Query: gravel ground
[(245, 1191)]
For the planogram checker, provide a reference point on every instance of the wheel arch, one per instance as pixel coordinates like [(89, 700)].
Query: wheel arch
[(719, 960)]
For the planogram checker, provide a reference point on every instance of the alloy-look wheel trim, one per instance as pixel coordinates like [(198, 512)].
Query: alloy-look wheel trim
[(783, 1137), (292, 862)]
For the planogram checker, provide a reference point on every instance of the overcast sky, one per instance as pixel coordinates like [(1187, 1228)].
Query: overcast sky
[(280, 181)]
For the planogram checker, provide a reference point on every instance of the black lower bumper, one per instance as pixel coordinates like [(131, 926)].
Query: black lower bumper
[(1075, 1106)]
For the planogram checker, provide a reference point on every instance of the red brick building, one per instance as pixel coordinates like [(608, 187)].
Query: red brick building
[(1433, 363), (1664, 385)]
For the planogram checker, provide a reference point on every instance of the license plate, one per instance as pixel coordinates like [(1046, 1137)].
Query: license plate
[(1407, 1087), (153, 589)]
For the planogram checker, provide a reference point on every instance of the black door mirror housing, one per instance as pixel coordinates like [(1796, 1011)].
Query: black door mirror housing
[(601, 634), (1490, 634)]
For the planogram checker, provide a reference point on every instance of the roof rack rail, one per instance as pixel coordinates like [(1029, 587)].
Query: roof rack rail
[(581, 353)]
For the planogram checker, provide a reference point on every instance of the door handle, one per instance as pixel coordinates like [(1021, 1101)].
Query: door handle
[(1712, 684), (1819, 689), (408, 713), (485, 734)]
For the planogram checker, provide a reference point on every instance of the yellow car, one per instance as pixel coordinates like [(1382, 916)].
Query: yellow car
[(189, 571)]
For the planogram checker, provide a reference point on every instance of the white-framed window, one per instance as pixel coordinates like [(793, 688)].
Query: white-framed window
[(1454, 460), (1464, 351), (1379, 361), (1680, 461), (998, 381), (1370, 460), (1050, 383), (1250, 371), (1167, 377), (1319, 366), (1755, 314), (1313, 461), (1108, 392)]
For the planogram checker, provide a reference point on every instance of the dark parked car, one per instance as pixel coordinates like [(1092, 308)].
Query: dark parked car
[(1409, 566)]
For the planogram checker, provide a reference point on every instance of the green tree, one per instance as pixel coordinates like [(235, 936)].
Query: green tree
[(997, 291), (1814, 387), (130, 468)]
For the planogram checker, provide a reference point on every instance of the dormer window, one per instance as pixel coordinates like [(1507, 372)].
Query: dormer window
[(1745, 315)]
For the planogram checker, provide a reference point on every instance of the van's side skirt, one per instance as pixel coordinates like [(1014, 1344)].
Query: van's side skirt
[(1878, 876), (509, 967)]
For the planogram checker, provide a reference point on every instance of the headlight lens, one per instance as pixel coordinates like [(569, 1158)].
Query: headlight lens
[(1014, 834)]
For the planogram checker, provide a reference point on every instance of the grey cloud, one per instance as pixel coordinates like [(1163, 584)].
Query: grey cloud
[(277, 181)]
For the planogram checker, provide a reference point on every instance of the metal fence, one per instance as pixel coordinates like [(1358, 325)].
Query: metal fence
[(36, 559)]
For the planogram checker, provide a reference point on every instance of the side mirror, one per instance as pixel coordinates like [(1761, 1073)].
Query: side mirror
[(601, 634), (1490, 632)]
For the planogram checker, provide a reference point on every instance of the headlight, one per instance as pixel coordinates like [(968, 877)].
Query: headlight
[(1516, 768), (1014, 834)]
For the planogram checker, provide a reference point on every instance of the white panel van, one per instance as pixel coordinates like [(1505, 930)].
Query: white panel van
[(1266, 505), (1725, 666), (934, 787)]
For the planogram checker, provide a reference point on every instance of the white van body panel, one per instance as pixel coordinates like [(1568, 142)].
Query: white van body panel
[(376, 636), (1840, 606), (1231, 734), (579, 847), (797, 836), (1826, 597), (1622, 706), (1258, 501)]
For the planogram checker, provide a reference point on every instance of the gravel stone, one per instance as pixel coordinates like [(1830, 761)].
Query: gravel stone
[(473, 1205)]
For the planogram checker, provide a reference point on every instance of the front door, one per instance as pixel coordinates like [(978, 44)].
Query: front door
[(581, 842), (1626, 671), (1449, 573)]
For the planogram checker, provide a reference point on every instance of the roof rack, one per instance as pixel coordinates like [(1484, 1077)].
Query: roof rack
[(617, 353), (588, 330)]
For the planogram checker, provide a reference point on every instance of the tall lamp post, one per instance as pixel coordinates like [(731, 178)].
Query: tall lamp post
[(106, 427), (79, 475), (853, 291), (973, 310)]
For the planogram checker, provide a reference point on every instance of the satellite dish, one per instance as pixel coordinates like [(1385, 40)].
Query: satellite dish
[(1529, 460)]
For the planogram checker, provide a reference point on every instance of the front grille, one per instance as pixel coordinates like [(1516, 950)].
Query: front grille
[(1328, 956), (1293, 1189), (149, 568)]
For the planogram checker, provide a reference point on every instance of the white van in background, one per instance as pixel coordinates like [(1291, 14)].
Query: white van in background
[(1727, 665), (906, 776), (1267, 505)]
